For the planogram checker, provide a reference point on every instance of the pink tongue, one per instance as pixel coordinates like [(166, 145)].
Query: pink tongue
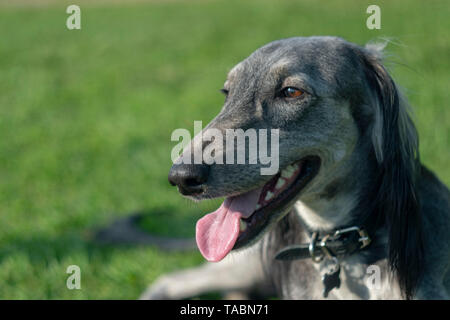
[(217, 232)]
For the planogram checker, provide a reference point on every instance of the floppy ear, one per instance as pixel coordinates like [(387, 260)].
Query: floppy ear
[(395, 145)]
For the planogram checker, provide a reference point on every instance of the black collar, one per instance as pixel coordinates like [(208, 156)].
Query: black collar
[(338, 244), (331, 248)]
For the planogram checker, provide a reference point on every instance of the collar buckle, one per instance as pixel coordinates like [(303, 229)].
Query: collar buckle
[(330, 246), (363, 235), (364, 239)]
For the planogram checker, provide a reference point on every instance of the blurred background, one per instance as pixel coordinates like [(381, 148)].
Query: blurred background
[(86, 117)]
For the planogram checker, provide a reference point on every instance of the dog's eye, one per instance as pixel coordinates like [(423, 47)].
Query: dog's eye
[(291, 92)]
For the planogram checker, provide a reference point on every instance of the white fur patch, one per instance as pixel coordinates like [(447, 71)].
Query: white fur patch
[(322, 214)]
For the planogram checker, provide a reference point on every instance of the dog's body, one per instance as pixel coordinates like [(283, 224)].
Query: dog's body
[(350, 115)]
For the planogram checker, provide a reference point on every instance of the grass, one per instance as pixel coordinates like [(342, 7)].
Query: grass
[(86, 118)]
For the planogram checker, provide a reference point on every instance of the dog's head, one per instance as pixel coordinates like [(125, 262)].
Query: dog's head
[(324, 97)]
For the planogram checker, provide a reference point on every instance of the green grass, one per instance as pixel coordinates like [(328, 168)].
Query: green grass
[(86, 118)]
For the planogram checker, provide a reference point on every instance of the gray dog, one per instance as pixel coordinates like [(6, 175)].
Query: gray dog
[(352, 214)]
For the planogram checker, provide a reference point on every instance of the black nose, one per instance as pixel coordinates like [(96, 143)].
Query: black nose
[(190, 178)]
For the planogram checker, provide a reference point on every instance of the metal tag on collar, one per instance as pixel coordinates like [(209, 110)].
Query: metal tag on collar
[(331, 279)]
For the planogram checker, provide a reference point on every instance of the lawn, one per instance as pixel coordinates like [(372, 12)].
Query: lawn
[(86, 118)]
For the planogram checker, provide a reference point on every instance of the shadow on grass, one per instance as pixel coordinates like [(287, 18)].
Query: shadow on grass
[(41, 249), (102, 244), (158, 227)]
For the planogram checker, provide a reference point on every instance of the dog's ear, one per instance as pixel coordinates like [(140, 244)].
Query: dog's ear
[(395, 145)]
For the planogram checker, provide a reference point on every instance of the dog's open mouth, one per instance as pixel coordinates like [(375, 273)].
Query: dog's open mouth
[(241, 218)]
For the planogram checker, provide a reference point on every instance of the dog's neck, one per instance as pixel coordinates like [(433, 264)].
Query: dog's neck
[(332, 201)]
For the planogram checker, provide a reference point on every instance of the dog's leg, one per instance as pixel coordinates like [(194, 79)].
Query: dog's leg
[(238, 273)]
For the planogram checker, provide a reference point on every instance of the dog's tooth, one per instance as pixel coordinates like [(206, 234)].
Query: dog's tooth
[(258, 206), (280, 183), (269, 196), (287, 173), (242, 225)]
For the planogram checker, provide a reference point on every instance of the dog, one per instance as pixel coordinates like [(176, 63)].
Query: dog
[(351, 214)]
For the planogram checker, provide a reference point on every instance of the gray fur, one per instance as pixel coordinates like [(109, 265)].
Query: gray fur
[(354, 119)]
